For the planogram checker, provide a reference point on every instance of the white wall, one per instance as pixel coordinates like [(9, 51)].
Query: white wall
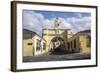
[(5, 37)]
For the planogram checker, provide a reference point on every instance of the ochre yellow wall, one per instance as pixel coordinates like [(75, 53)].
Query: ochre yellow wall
[(72, 46), (48, 37), (69, 34), (41, 51), (83, 44), (27, 49)]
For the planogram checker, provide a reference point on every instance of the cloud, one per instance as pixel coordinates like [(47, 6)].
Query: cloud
[(65, 24), (32, 21), (36, 22), (50, 23), (81, 23)]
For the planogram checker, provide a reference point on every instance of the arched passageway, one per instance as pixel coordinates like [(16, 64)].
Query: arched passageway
[(57, 46)]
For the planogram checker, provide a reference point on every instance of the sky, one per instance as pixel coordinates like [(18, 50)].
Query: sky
[(37, 20)]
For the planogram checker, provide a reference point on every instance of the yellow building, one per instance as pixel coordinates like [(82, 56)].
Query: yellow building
[(80, 42), (33, 44), (50, 35)]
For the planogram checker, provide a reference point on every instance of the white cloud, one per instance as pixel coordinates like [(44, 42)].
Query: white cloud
[(78, 24), (65, 24), (36, 22), (32, 21), (50, 23)]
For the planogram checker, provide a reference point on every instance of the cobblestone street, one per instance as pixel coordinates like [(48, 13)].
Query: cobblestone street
[(64, 57)]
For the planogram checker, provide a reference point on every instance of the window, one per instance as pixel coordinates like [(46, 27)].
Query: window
[(68, 44), (88, 38), (75, 43), (29, 43), (71, 44), (38, 45), (44, 46)]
